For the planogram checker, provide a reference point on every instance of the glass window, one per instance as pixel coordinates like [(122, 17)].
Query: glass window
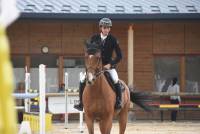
[(193, 74), (18, 63), (165, 68), (74, 63), (51, 62), (73, 66)]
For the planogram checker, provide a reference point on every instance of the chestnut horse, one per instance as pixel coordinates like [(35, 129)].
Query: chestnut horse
[(99, 97)]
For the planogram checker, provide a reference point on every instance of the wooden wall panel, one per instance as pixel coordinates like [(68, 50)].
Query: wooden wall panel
[(74, 36), (18, 34), (45, 34), (120, 31), (155, 115), (123, 76), (141, 115), (192, 115), (144, 80), (122, 66), (143, 60), (192, 38), (168, 38)]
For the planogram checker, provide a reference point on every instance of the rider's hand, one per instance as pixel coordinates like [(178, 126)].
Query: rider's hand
[(108, 66)]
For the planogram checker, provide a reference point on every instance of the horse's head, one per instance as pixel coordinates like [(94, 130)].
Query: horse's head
[(93, 62)]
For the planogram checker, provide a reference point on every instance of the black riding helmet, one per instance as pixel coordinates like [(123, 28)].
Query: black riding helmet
[(105, 22)]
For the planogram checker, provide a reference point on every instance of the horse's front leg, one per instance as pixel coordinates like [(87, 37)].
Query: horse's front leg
[(90, 124), (106, 125), (123, 115)]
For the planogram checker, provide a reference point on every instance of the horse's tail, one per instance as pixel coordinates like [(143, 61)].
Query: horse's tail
[(140, 98)]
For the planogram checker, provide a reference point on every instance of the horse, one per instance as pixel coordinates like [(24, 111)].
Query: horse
[(99, 97)]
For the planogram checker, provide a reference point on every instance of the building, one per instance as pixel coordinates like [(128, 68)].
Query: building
[(159, 40)]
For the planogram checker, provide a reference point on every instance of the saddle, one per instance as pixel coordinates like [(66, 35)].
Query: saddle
[(111, 82)]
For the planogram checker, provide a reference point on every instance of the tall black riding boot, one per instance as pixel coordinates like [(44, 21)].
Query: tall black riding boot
[(118, 104), (80, 105)]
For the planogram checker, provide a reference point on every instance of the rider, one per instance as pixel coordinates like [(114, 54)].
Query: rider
[(108, 45)]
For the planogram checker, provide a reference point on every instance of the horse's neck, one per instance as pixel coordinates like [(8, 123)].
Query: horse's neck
[(100, 85)]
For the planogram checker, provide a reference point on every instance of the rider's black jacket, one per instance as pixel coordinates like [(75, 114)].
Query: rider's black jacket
[(108, 45)]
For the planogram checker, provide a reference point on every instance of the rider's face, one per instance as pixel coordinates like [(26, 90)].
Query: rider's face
[(105, 30)]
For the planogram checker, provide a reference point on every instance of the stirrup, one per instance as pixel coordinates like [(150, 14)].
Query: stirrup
[(79, 107)]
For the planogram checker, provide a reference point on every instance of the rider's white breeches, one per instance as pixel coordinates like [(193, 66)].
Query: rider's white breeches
[(112, 72), (114, 75), (82, 77)]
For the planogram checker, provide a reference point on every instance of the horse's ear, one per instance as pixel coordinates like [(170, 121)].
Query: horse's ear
[(86, 54), (88, 43), (98, 54), (85, 49)]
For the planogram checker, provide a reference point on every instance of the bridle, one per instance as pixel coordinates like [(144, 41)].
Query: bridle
[(97, 70)]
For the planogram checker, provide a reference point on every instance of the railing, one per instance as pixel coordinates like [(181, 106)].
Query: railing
[(159, 101)]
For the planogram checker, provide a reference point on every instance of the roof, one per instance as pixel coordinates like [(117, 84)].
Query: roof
[(115, 9)]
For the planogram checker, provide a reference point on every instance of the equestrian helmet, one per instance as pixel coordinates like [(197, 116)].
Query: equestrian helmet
[(105, 22)]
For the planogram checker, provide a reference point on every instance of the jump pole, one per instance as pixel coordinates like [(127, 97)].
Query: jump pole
[(66, 100), (42, 102), (66, 97), (81, 112)]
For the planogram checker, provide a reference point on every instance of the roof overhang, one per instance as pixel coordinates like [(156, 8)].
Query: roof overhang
[(92, 16)]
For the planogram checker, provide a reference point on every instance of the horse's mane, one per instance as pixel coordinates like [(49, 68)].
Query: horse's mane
[(92, 47)]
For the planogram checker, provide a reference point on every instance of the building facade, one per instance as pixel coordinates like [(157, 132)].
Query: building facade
[(155, 47)]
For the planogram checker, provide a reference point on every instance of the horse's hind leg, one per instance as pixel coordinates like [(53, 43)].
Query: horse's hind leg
[(123, 120), (90, 124), (105, 125)]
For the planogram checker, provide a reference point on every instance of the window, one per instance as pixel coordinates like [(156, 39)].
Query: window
[(155, 9), (51, 62), (66, 8), (192, 74), (137, 9), (73, 66), (165, 68), (18, 63), (101, 8), (48, 8), (173, 9), (120, 9), (84, 8), (191, 9), (30, 8)]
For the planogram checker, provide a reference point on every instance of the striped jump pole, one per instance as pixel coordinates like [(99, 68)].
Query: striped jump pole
[(27, 87)]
